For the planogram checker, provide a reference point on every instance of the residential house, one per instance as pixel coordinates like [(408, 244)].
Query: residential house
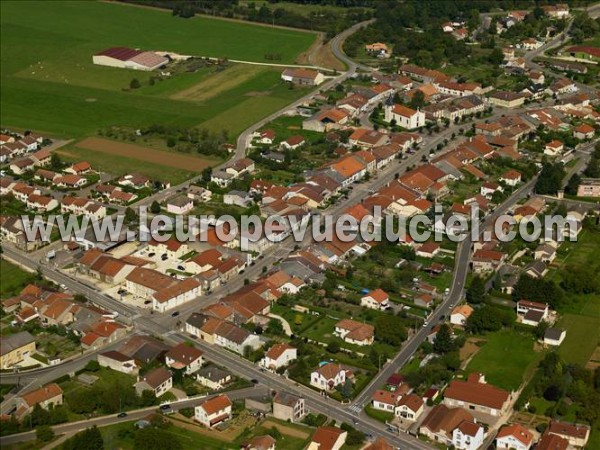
[(554, 148), (213, 378), (293, 142), (576, 434), (376, 299), (584, 131), (186, 357), (180, 205), (327, 438), (79, 168), (288, 407), (468, 436), (199, 194), (355, 332), (14, 348), (514, 436), (118, 361), (385, 400), (428, 250), (264, 442), (327, 376), (441, 421), (460, 314), (158, 380), (409, 407), (47, 397), (214, 411), (487, 260), (550, 441), (525, 306), (554, 336), (278, 356), (511, 178)]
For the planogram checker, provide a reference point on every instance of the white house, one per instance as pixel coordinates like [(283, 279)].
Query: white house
[(511, 178), (404, 117), (554, 336), (410, 407), (328, 376), (180, 205), (158, 380), (489, 188), (554, 148), (280, 355), (213, 411), (376, 299), (524, 306), (460, 314), (515, 437), (468, 436), (385, 400)]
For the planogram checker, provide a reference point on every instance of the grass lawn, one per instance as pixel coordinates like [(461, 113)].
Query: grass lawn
[(50, 84), (506, 359), (582, 338), (13, 278)]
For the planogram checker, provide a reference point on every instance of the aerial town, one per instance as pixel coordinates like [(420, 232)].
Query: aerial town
[(139, 310)]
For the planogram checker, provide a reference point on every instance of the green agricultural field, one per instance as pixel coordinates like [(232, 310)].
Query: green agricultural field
[(583, 335), (506, 359), (50, 84)]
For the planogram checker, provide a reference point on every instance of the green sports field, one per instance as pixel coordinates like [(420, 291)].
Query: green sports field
[(50, 84)]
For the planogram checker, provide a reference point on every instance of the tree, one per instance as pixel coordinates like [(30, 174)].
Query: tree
[(147, 398), (44, 433), (130, 215), (489, 318), (538, 290), (333, 347), (155, 207), (55, 161), (275, 327), (476, 292), (134, 84), (92, 366), (390, 330), (550, 179), (88, 439), (496, 57), (417, 100), (573, 184), (443, 342), (541, 328), (206, 174)]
